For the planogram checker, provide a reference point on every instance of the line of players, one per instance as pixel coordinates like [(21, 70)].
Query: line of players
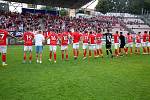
[(92, 41)]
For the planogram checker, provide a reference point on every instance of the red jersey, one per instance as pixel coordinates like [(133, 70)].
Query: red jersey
[(53, 38), (3, 37), (138, 38), (64, 38), (99, 38), (92, 38), (129, 38), (116, 38), (28, 38), (85, 37), (76, 37), (145, 36)]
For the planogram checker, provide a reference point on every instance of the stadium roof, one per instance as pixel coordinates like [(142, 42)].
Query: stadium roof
[(56, 3)]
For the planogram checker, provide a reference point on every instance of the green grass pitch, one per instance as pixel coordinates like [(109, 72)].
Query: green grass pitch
[(124, 78)]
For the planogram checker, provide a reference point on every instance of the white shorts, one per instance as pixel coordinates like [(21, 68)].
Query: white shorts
[(3, 49), (64, 47), (149, 44), (98, 46), (75, 45), (138, 45), (116, 45), (144, 44), (27, 48), (92, 47), (85, 45), (52, 48), (130, 45)]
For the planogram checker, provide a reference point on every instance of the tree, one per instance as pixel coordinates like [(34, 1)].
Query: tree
[(122, 6)]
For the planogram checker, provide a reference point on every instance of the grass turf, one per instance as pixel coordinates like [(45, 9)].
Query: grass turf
[(124, 78)]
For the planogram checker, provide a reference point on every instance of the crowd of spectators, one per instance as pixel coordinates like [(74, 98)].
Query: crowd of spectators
[(18, 22)]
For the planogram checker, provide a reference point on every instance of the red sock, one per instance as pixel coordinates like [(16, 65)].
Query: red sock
[(24, 56), (4, 57), (144, 50), (67, 56), (84, 53), (50, 55), (148, 49), (30, 57), (74, 52), (115, 51), (126, 49), (90, 54), (62, 56), (119, 50), (95, 53), (77, 53), (101, 52), (130, 50), (98, 53), (55, 56)]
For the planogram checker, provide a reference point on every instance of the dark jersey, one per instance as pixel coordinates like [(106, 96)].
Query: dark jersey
[(122, 39), (108, 37)]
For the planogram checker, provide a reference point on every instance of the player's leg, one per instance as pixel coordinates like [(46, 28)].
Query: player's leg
[(40, 51), (131, 45), (77, 47), (37, 51), (90, 52), (50, 53), (66, 51), (30, 56), (62, 52), (54, 50), (3, 51), (74, 50), (110, 50), (144, 47), (95, 51), (24, 55), (148, 50), (84, 50)]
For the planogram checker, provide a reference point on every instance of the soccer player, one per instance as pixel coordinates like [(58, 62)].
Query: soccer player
[(76, 39), (85, 39), (53, 45), (122, 43), (92, 44), (3, 44), (64, 38), (28, 37), (138, 43), (39, 40), (129, 43), (108, 37), (99, 37), (116, 43), (144, 42)]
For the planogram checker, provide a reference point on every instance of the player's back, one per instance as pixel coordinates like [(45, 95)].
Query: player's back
[(28, 38), (53, 38), (3, 37), (76, 37), (108, 37), (85, 38), (64, 38), (92, 38), (99, 38)]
